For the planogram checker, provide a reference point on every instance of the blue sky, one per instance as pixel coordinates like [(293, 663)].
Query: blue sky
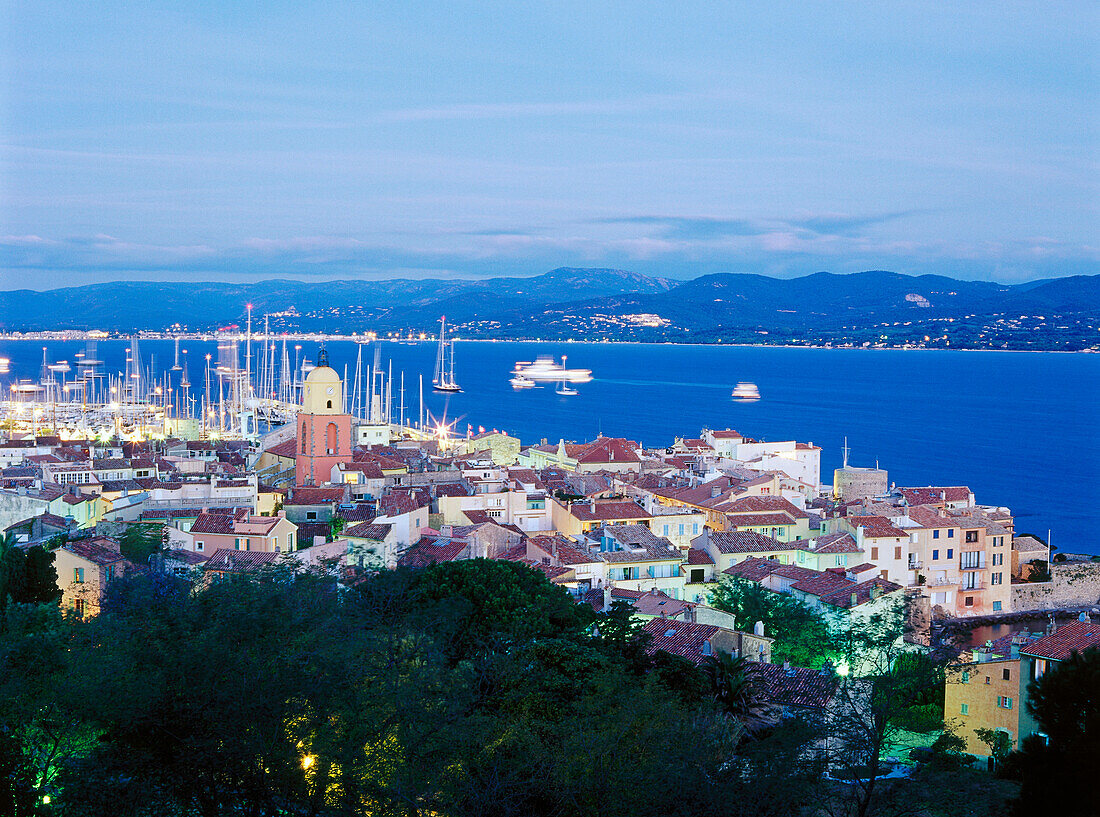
[(235, 141)]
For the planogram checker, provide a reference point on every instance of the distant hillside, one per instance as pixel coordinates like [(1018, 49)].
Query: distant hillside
[(599, 303)]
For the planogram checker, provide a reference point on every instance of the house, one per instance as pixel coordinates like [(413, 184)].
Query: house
[(577, 518), (211, 532), (638, 560), (727, 548), (982, 690), (84, 569), (773, 516), (371, 546), (429, 550), (1041, 656), (696, 642), (678, 524), (225, 562)]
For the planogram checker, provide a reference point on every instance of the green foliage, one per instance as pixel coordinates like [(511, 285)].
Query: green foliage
[(802, 636), (140, 541), (999, 743), (466, 688), (1040, 571), (1056, 775), (734, 687), (335, 526)]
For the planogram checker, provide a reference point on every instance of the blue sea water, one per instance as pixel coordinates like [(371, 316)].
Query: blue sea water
[(1019, 428)]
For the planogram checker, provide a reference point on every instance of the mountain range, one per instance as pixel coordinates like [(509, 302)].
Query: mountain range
[(570, 302)]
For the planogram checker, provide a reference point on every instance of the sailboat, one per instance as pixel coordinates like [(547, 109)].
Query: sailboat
[(564, 388), (444, 379)]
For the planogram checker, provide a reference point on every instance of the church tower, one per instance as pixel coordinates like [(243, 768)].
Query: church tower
[(324, 430)]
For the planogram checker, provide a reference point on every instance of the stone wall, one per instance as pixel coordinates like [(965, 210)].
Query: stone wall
[(1072, 584)]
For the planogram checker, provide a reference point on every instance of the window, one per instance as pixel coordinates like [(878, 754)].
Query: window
[(874, 554), (311, 514), (290, 542), (78, 574), (331, 437), (79, 606), (996, 605), (248, 544), (972, 559), (199, 545), (998, 558), (237, 544), (935, 555), (1004, 703), (696, 576), (966, 677), (996, 578), (971, 536), (965, 710), (1038, 668), (328, 404), (1006, 674), (695, 528), (969, 601), (681, 530), (950, 534), (936, 533), (897, 553), (666, 530), (951, 553)]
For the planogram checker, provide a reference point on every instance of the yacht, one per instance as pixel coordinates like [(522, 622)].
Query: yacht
[(546, 369), (746, 392), (521, 382), (564, 388), (444, 379)]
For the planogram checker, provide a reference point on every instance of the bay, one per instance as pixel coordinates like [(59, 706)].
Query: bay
[(1018, 428)]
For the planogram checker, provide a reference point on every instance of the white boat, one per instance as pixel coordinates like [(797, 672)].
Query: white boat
[(546, 369), (444, 379), (521, 382), (746, 392), (564, 388)]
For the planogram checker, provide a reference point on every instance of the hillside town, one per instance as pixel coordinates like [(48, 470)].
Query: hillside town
[(608, 520)]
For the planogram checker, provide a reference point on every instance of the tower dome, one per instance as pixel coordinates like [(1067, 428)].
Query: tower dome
[(323, 392)]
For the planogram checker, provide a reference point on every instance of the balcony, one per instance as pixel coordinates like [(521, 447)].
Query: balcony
[(915, 564)]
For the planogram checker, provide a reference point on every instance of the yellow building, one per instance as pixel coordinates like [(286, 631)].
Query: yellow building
[(503, 449), (983, 692), (84, 568)]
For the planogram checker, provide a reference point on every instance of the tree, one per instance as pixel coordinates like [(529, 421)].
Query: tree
[(1056, 772), (801, 635), (36, 582), (999, 743), (734, 687), (140, 541)]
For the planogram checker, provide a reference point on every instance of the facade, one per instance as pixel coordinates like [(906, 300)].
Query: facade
[(1043, 655), (84, 569), (324, 430), (237, 531)]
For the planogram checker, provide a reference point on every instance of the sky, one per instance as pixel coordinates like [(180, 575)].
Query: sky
[(324, 140)]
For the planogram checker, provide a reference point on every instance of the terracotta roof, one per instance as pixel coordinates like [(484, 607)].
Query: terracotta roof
[(102, 551), (822, 584), (608, 511), (316, 496), (929, 517), (189, 556), (368, 530), (1076, 636), (682, 638), (877, 527), (369, 470), (362, 512), (794, 686), (645, 602), (217, 522), (842, 597), (727, 434), (753, 568), (288, 449), (835, 543), (765, 504), (698, 556), (932, 495), (225, 560), (742, 541), (567, 552), (760, 520), (396, 504), (639, 545), (608, 450), (432, 551)]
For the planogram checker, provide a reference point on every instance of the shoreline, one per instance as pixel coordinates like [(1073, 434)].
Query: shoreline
[(365, 338)]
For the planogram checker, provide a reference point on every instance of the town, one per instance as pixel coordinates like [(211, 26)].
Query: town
[(716, 547)]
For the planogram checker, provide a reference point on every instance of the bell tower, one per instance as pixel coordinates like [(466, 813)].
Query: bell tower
[(324, 430)]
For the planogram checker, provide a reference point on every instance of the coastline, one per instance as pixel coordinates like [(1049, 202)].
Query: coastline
[(66, 335)]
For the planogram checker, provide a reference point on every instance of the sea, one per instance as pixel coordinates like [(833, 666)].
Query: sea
[(1019, 428)]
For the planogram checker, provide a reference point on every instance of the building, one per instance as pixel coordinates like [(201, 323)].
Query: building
[(84, 569), (1041, 656), (240, 530), (324, 430), (983, 691)]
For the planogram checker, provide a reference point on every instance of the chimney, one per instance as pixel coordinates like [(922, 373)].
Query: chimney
[(607, 598), (855, 599), (859, 537), (875, 592), (758, 629), (786, 665), (715, 491)]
